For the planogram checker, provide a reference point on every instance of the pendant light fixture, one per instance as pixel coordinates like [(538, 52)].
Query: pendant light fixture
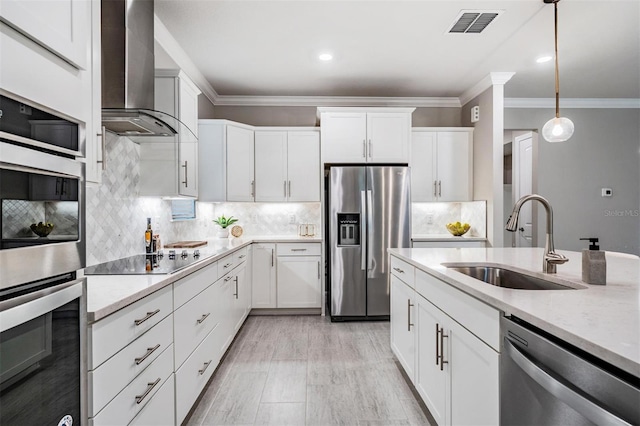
[(558, 129)]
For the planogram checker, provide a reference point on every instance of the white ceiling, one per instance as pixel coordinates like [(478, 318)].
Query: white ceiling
[(401, 48)]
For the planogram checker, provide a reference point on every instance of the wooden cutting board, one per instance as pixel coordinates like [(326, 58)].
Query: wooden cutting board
[(186, 244)]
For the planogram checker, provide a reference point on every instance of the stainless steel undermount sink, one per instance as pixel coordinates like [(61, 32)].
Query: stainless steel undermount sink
[(501, 277)]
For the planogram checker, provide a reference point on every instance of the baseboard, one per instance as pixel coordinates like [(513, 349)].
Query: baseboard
[(286, 311)]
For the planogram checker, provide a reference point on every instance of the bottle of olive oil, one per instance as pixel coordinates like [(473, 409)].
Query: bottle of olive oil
[(148, 237)]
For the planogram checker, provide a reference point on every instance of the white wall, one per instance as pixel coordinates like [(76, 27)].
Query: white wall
[(603, 152)]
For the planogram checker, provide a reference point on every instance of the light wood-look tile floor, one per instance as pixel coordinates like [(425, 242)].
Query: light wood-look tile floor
[(305, 370)]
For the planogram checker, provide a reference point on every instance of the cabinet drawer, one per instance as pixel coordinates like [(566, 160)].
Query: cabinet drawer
[(403, 270), (298, 249), (125, 406), (193, 321), (196, 371), (474, 315), (187, 287), (112, 376), (114, 332), (240, 256), (225, 265), (160, 411)]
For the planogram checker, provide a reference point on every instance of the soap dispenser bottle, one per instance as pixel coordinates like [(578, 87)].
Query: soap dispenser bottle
[(594, 264)]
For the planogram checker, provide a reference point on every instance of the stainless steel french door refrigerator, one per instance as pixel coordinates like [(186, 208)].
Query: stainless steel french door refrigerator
[(368, 209)]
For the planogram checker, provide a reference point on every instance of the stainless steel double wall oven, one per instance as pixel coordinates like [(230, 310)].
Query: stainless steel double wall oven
[(42, 302)]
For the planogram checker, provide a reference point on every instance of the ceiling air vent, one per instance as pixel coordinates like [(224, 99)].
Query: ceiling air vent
[(473, 21)]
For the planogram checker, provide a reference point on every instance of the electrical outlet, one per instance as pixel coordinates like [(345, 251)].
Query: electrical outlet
[(254, 218), (429, 218), (25, 109), (292, 219)]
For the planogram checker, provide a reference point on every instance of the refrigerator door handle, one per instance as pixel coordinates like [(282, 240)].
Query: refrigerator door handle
[(369, 221), (363, 239)]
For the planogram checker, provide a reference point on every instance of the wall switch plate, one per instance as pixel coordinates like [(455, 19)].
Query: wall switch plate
[(429, 218), (607, 192), (475, 114), (292, 219)]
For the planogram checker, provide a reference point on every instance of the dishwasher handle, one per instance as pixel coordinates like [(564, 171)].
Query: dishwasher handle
[(561, 389)]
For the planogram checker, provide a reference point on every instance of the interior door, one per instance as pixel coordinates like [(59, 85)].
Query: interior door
[(523, 185)]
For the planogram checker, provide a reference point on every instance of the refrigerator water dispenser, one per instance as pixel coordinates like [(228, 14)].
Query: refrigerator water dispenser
[(348, 229)]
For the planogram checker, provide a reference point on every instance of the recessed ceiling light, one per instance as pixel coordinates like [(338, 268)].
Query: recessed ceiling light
[(543, 59), (325, 56)]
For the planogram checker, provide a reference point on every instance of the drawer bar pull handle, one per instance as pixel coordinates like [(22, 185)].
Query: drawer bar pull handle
[(204, 367), (145, 356), (150, 386), (409, 306), (149, 315), (242, 256), (228, 278), (204, 317), (398, 270), (298, 249), (226, 265)]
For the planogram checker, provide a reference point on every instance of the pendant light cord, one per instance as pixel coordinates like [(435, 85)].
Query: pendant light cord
[(555, 14)]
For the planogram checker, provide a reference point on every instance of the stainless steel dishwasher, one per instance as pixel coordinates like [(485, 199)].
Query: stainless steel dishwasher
[(545, 381)]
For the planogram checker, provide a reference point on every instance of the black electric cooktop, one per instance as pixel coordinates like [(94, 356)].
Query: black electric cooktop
[(143, 264)]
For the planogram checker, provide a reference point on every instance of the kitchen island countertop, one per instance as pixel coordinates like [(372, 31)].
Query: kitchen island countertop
[(601, 320), (107, 294)]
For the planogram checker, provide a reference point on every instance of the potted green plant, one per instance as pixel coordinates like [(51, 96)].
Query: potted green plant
[(224, 222)]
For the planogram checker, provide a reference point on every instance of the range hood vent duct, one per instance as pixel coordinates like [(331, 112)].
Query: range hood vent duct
[(128, 75), (473, 21)]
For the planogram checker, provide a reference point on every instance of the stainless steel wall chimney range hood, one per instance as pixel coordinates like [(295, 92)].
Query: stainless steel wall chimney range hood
[(128, 75)]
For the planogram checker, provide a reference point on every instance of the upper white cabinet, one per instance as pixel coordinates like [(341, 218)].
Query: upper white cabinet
[(287, 165), (177, 95), (365, 135), (441, 164), (171, 169), (227, 158), (62, 26)]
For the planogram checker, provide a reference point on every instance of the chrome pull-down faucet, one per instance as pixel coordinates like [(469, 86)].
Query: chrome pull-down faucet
[(551, 258)]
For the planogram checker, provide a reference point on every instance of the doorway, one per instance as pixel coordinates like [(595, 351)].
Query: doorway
[(520, 179)]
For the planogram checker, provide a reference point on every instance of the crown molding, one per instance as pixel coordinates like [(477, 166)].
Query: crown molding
[(493, 78), (624, 103), (162, 35), (321, 101)]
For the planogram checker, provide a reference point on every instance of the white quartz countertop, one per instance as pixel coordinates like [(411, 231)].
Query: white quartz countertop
[(107, 294), (445, 237), (602, 320)]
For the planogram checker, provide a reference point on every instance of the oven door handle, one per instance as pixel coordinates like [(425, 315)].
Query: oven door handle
[(561, 388), (22, 309)]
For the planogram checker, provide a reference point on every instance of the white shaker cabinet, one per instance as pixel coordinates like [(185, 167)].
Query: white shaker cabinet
[(402, 308), (264, 276), (287, 165), (95, 151), (177, 95), (365, 135), (441, 164), (226, 158), (299, 272), (455, 344)]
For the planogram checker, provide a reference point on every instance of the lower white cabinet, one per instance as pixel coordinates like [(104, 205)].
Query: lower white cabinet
[(196, 371), (402, 306), (446, 341), (177, 334), (124, 407), (299, 282), (263, 287), (299, 272), (160, 411)]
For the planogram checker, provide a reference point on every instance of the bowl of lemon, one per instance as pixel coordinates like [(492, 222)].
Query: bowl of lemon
[(458, 229)]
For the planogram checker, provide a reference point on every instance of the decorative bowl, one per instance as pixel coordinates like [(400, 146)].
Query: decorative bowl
[(458, 229), (42, 229)]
